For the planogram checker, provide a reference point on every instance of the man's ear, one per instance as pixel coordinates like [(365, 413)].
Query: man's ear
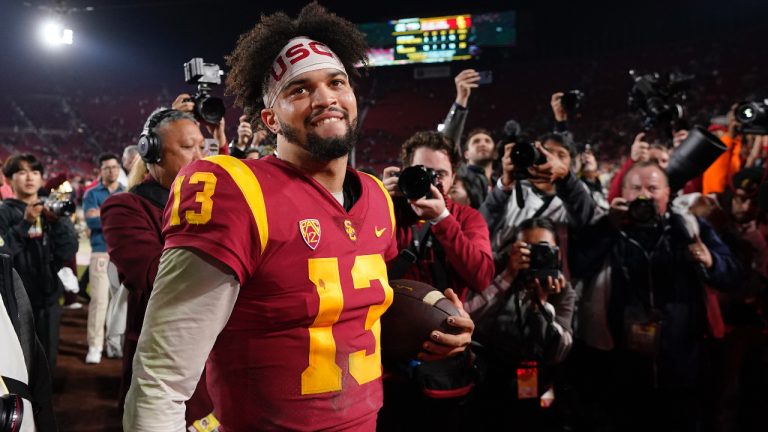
[(269, 118)]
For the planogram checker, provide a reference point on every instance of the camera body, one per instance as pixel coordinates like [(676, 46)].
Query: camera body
[(415, 181), (59, 201), (658, 98), (572, 100), (643, 211), (753, 117), (207, 109), (545, 262), (525, 155)]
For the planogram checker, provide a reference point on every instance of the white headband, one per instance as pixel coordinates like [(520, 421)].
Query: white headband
[(299, 55)]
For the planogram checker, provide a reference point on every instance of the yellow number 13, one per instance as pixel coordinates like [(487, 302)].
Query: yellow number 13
[(203, 197), (323, 375)]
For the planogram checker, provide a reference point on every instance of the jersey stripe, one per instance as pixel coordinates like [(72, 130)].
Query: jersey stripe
[(251, 190), (389, 202)]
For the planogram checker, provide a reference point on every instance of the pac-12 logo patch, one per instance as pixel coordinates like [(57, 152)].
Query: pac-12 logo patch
[(310, 232)]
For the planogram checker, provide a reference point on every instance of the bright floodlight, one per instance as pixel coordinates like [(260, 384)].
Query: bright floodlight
[(54, 34)]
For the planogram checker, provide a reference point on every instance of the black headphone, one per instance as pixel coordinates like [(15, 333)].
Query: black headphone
[(150, 146)]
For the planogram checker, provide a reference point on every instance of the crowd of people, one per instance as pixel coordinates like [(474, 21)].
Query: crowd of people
[(592, 293)]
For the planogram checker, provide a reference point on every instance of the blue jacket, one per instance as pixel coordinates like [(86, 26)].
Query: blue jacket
[(94, 198)]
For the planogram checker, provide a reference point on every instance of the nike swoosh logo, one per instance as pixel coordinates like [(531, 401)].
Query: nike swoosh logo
[(379, 232)]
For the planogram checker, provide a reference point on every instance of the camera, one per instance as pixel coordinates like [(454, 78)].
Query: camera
[(207, 109), (59, 201), (11, 413), (572, 100), (545, 261), (659, 97), (753, 117), (525, 155), (415, 181), (643, 211)]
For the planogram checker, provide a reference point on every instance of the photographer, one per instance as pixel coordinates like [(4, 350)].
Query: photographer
[(246, 139), (641, 151), (550, 190), (40, 243), (642, 314), (449, 240), (133, 222), (523, 323), (185, 103)]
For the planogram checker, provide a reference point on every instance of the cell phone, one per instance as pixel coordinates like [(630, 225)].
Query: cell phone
[(486, 77)]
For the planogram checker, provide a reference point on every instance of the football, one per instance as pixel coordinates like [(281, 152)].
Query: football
[(417, 309)]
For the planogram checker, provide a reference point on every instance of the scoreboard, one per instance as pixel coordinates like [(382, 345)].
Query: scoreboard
[(429, 40), (437, 39)]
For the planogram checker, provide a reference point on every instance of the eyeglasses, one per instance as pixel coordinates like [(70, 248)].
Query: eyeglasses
[(110, 168)]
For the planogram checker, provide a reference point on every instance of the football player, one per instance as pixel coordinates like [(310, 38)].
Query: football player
[(274, 270)]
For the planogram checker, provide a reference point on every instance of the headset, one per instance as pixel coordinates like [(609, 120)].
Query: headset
[(150, 145)]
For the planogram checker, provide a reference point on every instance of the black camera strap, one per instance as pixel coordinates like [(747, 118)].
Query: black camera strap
[(422, 241), (18, 388)]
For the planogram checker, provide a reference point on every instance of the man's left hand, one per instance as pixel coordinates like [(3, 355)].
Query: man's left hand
[(443, 345), (218, 133), (700, 252), (554, 169), (429, 208)]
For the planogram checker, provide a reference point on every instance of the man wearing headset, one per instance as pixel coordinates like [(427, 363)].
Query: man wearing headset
[(132, 224)]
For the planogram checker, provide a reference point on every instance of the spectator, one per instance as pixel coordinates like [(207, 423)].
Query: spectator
[(130, 157), (453, 125), (40, 242), (5, 188), (109, 165), (642, 307), (478, 170), (132, 224)]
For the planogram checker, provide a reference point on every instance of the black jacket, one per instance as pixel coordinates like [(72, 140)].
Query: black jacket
[(18, 308), (37, 260)]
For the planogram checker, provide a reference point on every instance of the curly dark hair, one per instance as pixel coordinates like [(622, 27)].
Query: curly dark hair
[(433, 140), (256, 50)]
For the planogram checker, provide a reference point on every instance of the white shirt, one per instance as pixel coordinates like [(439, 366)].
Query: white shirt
[(191, 302), (12, 364)]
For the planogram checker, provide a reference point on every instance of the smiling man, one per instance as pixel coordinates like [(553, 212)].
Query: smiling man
[(274, 270)]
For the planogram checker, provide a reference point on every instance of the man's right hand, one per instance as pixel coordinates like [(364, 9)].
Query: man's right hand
[(619, 213), (507, 169), (183, 103), (640, 149), (557, 107), (33, 212), (519, 259), (244, 132), (390, 180), (465, 81)]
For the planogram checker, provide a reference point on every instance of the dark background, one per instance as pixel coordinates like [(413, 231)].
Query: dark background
[(124, 45)]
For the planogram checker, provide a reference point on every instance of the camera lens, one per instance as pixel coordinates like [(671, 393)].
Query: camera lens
[(525, 155), (642, 211), (415, 182), (748, 112), (11, 413), (209, 109)]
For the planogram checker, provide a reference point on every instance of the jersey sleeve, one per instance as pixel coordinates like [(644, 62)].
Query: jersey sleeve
[(215, 208)]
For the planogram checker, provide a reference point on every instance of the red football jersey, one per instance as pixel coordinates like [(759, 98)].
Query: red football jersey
[(301, 350)]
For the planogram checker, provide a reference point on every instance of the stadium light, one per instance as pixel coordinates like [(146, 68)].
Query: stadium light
[(54, 34)]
